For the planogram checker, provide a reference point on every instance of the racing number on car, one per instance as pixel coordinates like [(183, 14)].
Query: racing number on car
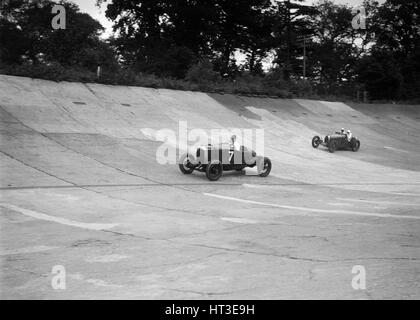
[(231, 152)]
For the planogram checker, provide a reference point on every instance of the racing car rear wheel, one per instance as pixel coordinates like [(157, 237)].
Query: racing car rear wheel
[(355, 145), (316, 141), (332, 147), (267, 168), (185, 164), (214, 171)]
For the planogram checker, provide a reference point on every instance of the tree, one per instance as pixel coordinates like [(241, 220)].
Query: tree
[(26, 35), (12, 42), (242, 25), (158, 36), (380, 75), (392, 70), (150, 30), (335, 48), (289, 28)]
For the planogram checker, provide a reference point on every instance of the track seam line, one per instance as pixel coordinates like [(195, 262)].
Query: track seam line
[(367, 214)]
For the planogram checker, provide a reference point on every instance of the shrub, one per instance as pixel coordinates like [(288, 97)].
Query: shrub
[(203, 73), (54, 72)]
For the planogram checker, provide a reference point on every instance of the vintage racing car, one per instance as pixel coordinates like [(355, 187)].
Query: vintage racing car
[(337, 141), (213, 160)]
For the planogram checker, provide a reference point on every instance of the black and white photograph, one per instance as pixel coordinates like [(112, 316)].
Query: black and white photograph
[(209, 150)]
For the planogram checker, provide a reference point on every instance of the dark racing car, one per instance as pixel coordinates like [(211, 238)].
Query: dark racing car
[(337, 141), (213, 160)]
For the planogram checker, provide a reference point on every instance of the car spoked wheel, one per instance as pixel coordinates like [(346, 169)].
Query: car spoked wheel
[(214, 171), (316, 141), (355, 145), (332, 147), (267, 168), (185, 164)]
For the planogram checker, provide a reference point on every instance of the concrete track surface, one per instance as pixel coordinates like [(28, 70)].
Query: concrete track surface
[(81, 188)]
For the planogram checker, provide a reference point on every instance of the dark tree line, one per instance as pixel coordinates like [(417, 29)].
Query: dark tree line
[(26, 36), (222, 41)]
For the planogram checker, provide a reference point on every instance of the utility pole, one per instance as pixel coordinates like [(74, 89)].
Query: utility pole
[(287, 73), (304, 58)]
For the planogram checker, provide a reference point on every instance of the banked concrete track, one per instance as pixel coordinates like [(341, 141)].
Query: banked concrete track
[(81, 188)]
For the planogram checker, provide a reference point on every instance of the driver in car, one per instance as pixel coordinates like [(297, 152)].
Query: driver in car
[(349, 135), (234, 144)]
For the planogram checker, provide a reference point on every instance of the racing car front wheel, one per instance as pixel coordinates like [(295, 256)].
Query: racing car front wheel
[(185, 164), (316, 141), (267, 168), (332, 147), (355, 145), (214, 171)]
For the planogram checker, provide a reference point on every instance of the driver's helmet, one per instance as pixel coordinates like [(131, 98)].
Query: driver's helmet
[(342, 130), (348, 131)]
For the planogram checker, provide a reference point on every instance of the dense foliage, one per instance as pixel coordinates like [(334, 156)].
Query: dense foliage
[(240, 46)]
